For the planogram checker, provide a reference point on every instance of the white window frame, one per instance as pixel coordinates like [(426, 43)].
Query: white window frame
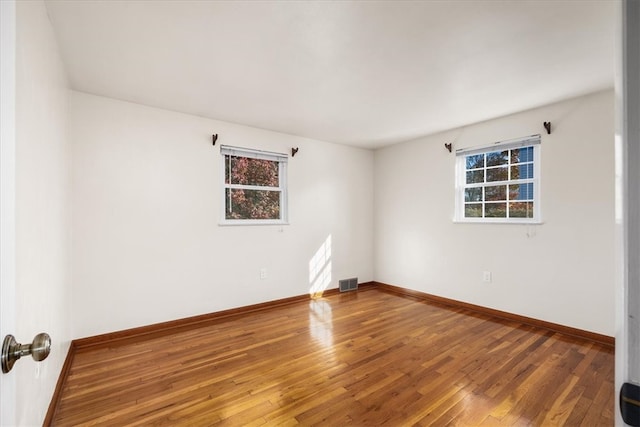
[(282, 159), (461, 185)]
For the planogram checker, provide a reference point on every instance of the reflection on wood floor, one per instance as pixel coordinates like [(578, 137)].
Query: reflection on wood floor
[(363, 358)]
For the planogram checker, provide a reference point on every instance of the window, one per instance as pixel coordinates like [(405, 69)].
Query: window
[(499, 183), (255, 186)]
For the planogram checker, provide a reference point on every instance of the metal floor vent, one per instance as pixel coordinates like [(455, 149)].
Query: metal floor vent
[(348, 284)]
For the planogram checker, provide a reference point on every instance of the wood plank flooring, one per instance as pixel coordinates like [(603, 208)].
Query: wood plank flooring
[(364, 358)]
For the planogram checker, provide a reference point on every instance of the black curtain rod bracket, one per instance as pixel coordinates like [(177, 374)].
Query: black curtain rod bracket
[(214, 138), (448, 146), (294, 151), (547, 126)]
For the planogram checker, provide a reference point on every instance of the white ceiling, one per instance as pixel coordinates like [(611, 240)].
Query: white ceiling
[(362, 73)]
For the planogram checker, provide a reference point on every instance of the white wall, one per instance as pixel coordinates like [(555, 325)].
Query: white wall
[(147, 246), (561, 271), (43, 208)]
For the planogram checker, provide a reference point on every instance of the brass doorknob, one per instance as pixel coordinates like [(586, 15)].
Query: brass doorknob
[(39, 349)]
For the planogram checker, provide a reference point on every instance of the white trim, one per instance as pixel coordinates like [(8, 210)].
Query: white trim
[(627, 352), (632, 187), (502, 145), (236, 222), (7, 198), (252, 187), (253, 154), (514, 221)]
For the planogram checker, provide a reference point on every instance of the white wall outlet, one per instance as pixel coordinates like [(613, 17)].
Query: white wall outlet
[(486, 276), (263, 273)]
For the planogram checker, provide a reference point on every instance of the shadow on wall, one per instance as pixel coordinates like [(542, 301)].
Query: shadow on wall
[(320, 269)]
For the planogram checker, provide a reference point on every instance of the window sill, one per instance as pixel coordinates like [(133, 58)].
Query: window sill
[(498, 221), (251, 222)]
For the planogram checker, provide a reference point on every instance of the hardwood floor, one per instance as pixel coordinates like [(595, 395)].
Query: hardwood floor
[(363, 358)]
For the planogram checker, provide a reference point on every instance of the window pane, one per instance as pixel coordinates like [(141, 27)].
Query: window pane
[(252, 204), (247, 171), (473, 194), (473, 210), (475, 162), (497, 158), (521, 210), (522, 171), (521, 155), (499, 183), (475, 177), (495, 210), (496, 192), (497, 174), (521, 191)]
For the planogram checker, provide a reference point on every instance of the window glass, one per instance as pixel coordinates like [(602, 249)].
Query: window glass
[(495, 210), (497, 174), (247, 171), (498, 192), (252, 204), (254, 186), (473, 210), (497, 158), (475, 162), (475, 176), (473, 194), (499, 185), (521, 210)]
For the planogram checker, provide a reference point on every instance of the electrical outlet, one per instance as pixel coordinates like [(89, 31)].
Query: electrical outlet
[(263, 273), (486, 276)]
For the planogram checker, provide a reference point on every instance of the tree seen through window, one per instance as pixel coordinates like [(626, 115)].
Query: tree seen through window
[(252, 188)]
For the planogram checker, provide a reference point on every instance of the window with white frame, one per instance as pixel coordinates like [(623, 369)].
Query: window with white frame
[(255, 186), (499, 183)]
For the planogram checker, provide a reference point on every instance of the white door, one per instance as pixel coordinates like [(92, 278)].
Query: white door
[(7, 197), (628, 159)]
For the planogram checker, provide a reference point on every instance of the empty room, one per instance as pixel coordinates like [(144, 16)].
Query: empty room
[(320, 213)]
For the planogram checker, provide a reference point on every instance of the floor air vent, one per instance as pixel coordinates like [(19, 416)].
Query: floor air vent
[(348, 284)]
